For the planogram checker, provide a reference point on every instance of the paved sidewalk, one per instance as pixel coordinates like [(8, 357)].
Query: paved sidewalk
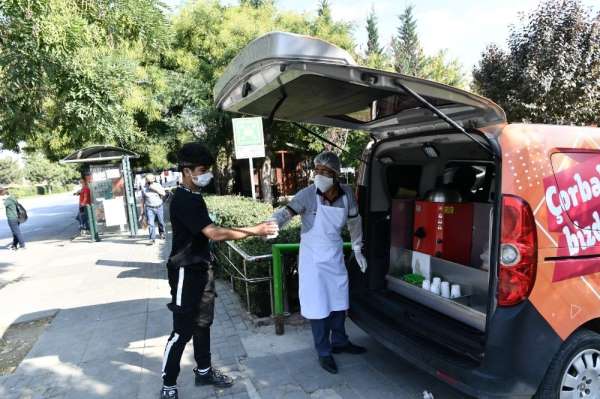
[(108, 336)]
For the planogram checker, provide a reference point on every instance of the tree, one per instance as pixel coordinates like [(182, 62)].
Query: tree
[(256, 3), (373, 46), (207, 36), (40, 170), (375, 55), (410, 59), (10, 171), (444, 70), (79, 72), (551, 71), (408, 54), (324, 10)]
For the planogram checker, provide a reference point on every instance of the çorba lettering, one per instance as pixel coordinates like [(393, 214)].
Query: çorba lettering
[(562, 202)]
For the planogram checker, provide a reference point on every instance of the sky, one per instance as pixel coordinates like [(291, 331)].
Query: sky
[(463, 27)]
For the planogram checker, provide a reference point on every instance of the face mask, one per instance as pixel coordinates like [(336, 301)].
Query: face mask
[(323, 183), (202, 180)]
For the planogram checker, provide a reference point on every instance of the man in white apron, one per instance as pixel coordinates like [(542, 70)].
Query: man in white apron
[(325, 208)]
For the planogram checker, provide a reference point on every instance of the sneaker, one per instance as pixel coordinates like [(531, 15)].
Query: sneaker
[(162, 236), (349, 348), (169, 393), (213, 377), (12, 247)]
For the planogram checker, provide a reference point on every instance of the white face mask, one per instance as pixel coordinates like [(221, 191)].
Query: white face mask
[(202, 180), (323, 183)]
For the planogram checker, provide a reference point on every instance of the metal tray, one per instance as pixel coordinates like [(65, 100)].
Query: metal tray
[(457, 308)]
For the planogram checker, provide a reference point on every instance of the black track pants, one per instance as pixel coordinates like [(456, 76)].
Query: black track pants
[(192, 304)]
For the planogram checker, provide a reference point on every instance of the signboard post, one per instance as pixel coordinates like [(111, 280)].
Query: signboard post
[(249, 142)]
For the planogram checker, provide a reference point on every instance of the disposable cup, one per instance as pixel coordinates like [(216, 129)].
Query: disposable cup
[(445, 289), (272, 236), (455, 291)]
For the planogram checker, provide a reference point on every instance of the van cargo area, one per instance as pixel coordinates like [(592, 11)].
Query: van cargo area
[(431, 204)]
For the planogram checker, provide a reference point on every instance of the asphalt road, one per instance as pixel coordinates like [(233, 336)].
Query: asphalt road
[(51, 217)]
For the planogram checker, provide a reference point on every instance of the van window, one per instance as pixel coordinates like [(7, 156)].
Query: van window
[(572, 194)]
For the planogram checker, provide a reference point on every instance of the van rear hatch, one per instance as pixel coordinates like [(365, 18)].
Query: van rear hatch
[(296, 78)]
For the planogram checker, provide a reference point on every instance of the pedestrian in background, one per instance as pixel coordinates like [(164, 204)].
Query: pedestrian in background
[(153, 194), (85, 198), (12, 216)]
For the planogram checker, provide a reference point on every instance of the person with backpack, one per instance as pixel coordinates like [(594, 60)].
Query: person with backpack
[(15, 216)]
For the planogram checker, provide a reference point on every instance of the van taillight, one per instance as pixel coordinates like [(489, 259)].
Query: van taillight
[(518, 251)]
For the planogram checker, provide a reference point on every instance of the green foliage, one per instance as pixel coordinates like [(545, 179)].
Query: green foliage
[(78, 72), (234, 211), (373, 46), (551, 71), (24, 191), (410, 59), (408, 54), (441, 69), (201, 51), (10, 171), (40, 170)]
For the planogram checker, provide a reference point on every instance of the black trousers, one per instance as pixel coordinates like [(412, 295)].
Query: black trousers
[(192, 304)]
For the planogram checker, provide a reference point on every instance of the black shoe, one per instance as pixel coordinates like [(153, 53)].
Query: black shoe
[(213, 377), (328, 364), (168, 393), (349, 348)]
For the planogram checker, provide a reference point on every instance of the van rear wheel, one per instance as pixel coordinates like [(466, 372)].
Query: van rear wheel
[(575, 371)]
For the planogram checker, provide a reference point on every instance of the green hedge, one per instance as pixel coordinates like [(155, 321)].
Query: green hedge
[(30, 191), (235, 211)]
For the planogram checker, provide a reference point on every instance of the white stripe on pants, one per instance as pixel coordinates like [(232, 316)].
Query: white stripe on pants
[(168, 351), (180, 286)]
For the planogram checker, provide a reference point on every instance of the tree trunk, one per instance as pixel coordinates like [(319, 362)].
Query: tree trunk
[(223, 171), (266, 182)]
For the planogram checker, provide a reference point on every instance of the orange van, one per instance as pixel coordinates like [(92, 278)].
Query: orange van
[(482, 237)]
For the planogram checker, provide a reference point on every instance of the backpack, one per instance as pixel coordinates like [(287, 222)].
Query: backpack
[(21, 213)]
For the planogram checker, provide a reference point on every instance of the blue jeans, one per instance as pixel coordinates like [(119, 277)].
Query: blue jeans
[(83, 219), (151, 214), (16, 232), (329, 332)]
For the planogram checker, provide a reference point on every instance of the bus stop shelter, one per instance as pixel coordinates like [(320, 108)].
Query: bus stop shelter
[(111, 185)]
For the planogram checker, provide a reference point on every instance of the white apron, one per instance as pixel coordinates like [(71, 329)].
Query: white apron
[(323, 278)]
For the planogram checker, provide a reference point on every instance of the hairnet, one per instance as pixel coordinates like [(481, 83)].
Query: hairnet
[(330, 160)]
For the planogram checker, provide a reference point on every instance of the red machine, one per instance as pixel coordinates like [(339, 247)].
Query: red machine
[(444, 230)]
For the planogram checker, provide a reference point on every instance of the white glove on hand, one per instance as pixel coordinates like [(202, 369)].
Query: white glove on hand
[(361, 260)]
